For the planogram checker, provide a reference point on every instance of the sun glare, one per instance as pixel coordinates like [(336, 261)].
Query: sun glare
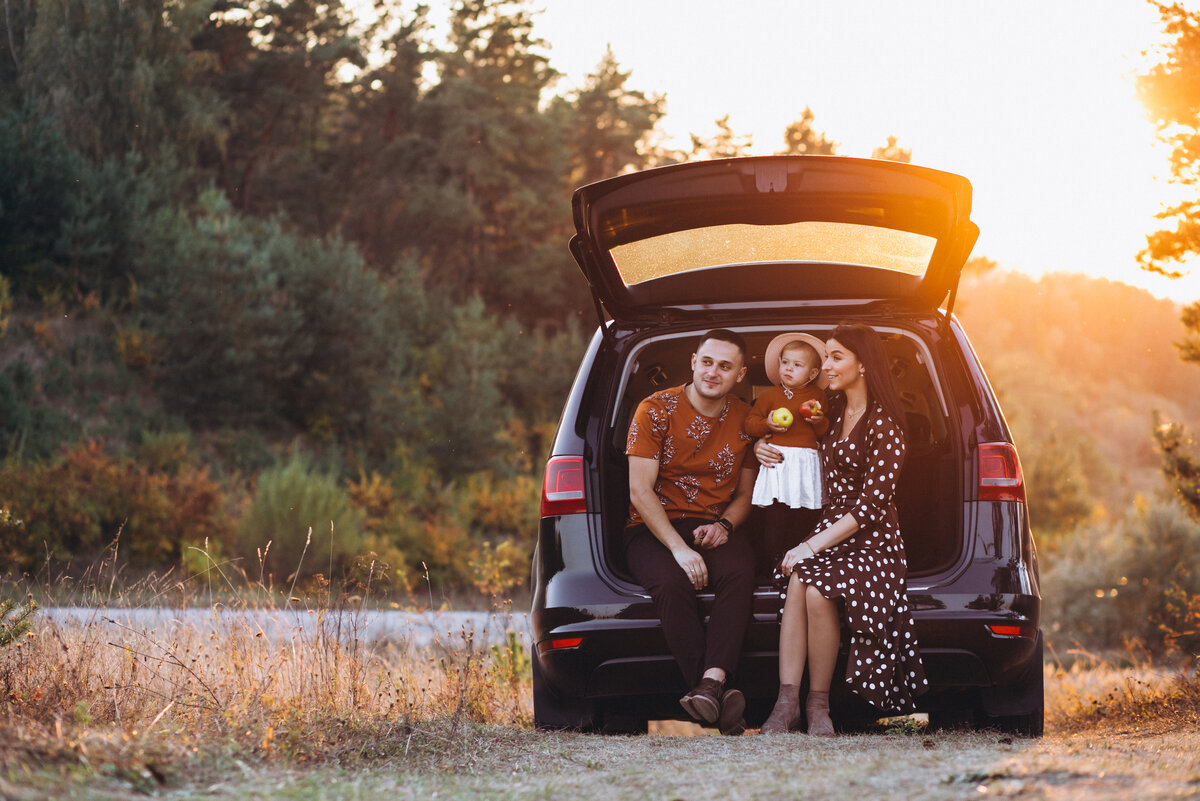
[(1033, 102)]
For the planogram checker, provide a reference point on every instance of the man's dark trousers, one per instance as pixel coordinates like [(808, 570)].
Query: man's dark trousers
[(730, 579)]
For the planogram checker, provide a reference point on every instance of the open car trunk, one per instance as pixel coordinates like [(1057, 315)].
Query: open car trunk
[(929, 494)]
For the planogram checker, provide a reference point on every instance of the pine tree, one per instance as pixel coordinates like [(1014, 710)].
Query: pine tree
[(1177, 448), (12, 630)]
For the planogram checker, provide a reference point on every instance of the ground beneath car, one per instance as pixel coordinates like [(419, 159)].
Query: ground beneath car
[(1106, 762)]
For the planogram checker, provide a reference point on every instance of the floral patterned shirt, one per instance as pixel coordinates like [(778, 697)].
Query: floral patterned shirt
[(699, 458)]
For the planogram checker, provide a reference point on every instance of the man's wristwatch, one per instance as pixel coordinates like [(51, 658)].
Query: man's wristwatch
[(725, 524)]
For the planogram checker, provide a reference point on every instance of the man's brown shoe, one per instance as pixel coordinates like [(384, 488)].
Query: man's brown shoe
[(730, 721), (703, 703)]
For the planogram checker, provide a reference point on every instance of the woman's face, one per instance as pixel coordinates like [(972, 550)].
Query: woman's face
[(841, 366)]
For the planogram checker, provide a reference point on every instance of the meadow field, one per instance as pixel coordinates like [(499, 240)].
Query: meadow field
[(223, 708)]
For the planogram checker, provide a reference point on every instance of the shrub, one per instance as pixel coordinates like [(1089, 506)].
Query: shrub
[(29, 425), (72, 507), (305, 517), (492, 506), (1112, 583)]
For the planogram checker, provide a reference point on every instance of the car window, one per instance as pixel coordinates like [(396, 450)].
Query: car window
[(808, 241)]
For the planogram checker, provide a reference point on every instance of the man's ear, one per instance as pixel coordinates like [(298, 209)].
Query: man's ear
[(741, 374), (693, 362)]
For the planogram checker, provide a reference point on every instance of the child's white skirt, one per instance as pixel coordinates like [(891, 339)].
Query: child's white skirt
[(796, 481)]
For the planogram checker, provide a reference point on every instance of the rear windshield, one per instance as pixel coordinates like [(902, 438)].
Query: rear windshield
[(739, 243)]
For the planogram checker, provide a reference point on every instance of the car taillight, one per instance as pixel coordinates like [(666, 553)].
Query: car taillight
[(1000, 473), (1012, 630), (558, 644), (562, 489)]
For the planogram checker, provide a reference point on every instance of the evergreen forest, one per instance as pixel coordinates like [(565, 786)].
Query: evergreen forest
[(267, 265)]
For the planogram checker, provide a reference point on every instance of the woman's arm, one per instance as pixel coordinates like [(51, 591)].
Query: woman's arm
[(766, 453), (842, 529), (883, 457)]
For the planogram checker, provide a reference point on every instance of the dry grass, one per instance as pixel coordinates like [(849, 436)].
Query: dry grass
[(1138, 695), (226, 709), (152, 706)]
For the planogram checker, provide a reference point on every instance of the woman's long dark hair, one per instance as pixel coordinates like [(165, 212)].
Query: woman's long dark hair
[(864, 343)]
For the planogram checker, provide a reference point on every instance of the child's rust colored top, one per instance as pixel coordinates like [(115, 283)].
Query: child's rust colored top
[(801, 433)]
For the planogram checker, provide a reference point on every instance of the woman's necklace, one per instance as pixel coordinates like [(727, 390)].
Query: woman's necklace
[(856, 412)]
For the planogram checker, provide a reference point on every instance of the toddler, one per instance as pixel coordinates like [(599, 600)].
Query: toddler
[(791, 492)]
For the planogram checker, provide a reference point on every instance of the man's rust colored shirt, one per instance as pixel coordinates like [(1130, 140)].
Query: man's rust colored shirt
[(699, 458)]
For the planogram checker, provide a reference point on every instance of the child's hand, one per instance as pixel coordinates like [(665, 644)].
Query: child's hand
[(812, 411), (773, 426)]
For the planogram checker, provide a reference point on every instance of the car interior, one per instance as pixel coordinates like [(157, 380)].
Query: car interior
[(928, 495)]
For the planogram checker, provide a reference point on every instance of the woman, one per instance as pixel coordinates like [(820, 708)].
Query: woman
[(851, 570)]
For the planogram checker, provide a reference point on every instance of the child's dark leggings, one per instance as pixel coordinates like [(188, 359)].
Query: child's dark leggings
[(784, 528)]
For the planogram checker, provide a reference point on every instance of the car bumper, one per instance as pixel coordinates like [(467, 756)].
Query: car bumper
[(628, 656)]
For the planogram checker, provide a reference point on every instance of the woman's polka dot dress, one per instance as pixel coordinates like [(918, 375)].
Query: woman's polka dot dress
[(867, 571)]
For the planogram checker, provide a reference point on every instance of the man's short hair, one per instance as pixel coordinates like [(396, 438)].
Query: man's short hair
[(724, 335)]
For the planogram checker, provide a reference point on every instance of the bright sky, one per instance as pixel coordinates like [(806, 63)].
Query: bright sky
[(1032, 100)]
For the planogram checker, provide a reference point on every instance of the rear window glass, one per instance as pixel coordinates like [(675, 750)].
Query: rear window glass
[(739, 243)]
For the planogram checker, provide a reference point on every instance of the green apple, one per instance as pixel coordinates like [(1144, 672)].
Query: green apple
[(782, 416)]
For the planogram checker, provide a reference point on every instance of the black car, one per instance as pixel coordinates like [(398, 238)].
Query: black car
[(763, 246)]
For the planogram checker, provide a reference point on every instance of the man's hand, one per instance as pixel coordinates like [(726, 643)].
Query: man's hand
[(768, 455), (710, 535), (693, 566)]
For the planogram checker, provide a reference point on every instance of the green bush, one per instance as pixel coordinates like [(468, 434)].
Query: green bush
[(1110, 583), (290, 501), (29, 425)]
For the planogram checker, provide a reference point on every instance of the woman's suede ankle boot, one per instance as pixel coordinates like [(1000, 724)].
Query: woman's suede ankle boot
[(785, 716), (817, 709)]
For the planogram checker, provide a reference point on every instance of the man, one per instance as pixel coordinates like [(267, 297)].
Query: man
[(688, 492)]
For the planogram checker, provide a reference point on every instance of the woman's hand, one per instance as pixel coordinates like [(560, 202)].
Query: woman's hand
[(768, 455), (794, 556)]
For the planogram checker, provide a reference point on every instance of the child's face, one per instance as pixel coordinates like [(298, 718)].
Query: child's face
[(797, 367)]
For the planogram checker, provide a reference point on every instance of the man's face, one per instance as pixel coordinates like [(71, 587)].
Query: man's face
[(716, 368)]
